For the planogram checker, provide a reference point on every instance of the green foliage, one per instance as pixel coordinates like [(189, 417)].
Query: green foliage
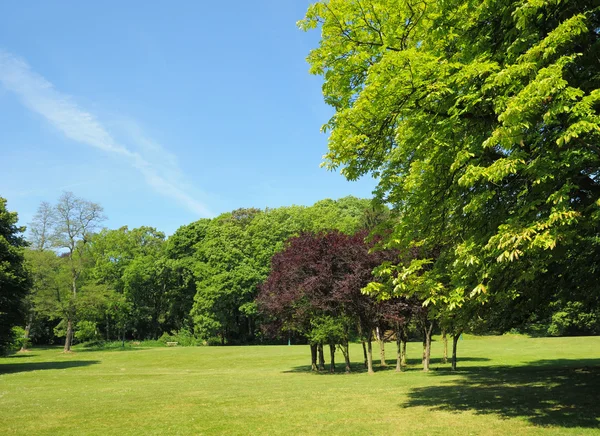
[(573, 318), (86, 331), (328, 330), (14, 279), (18, 339), (183, 337), (232, 256), (480, 122)]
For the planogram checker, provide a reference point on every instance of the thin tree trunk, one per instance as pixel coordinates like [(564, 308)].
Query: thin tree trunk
[(313, 357), (321, 358), (370, 357), (445, 341), (381, 342), (332, 354), (364, 346), (399, 351), (427, 350), (27, 330), (454, 346), (424, 347), (346, 353), (69, 338), (404, 341)]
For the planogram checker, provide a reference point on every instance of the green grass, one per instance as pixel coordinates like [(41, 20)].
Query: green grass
[(505, 385)]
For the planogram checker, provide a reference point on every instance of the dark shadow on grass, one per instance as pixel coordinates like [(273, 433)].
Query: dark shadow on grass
[(558, 392), (20, 355), (11, 368), (358, 368), (88, 349)]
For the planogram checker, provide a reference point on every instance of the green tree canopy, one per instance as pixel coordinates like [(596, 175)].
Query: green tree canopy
[(480, 120), (14, 279)]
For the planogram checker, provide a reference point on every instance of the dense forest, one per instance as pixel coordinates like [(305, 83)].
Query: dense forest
[(92, 284)]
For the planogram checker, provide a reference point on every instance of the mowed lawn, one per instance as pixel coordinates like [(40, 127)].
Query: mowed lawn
[(505, 385)]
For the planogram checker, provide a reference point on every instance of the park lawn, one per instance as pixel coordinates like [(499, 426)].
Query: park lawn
[(505, 385)]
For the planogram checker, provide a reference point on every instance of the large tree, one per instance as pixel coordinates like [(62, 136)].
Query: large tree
[(315, 288), (14, 279), (68, 227), (480, 120)]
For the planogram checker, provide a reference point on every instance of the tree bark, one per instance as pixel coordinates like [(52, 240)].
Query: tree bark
[(454, 346), (321, 358), (370, 357), (445, 341), (313, 357), (381, 342), (346, 353), (27, 330), (332, 354), (69, 338), (364, 347), (427, 348), (404, 341), (399, 351)]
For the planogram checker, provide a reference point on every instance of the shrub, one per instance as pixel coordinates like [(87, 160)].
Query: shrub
[(86, 331), (183, 337)]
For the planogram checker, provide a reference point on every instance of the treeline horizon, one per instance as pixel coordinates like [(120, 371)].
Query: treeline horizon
[(92, 284), (200, 285)]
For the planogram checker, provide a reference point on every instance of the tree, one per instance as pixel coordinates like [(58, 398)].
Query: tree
[(14, 279), (73, 222), (41, 227), (314, 288), (233, 254), (480, 121)]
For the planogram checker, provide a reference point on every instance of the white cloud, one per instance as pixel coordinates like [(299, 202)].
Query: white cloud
[(158, 166)]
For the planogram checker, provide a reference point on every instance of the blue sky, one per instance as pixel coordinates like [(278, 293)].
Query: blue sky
[(162, 113)]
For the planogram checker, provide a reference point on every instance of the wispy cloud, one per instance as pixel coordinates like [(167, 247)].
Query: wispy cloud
[(158, 166)]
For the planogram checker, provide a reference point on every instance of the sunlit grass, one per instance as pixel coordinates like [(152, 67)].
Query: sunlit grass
[(505, 385)]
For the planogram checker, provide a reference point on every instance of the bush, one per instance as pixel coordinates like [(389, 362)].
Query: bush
[(86, 331), (213, 341), (18, 338), (573, 318), (183, 337)]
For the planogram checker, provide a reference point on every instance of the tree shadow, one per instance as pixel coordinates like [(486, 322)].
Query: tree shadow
[(359, 368), (21, 355), (558, 392), (11, 368)]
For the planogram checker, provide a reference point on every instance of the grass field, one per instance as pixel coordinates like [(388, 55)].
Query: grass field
[(504, 385)]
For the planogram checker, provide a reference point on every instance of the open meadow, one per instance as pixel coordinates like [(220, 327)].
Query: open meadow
[(504, 385)]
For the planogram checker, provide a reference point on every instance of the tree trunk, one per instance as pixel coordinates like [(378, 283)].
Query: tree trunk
[(445, 341), (370, 357), (346, 353), (404, 341), (321, 358), (27, 330), (332, 354), (313, 357), (364, 346), (69, 338), (381, 342), (399, 351), (454, 345), (427, 348)]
